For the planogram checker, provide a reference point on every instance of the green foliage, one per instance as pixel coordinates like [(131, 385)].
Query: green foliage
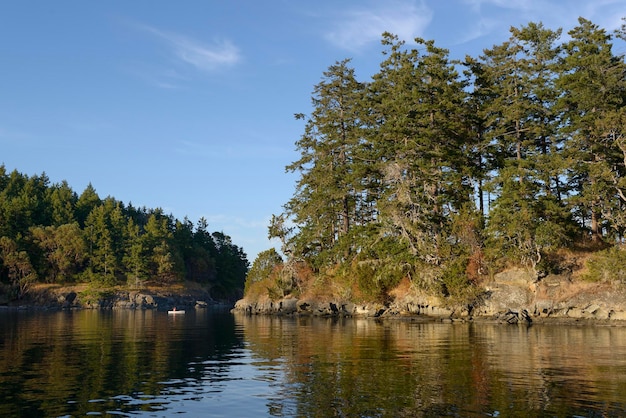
[(380, 267), (102, 261), (266, 263), (87, 201), (417, 136), (329, 194), (231, 268), (64, 250), (607, 266), (523, 227), (423, 174), (455, 282), (375, 278), (592, 79), (63, 203), (135, 259), (93, 295), (16, 265), (49, 234)]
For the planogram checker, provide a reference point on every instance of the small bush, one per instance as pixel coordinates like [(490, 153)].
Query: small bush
[(376, 278), (94, 295), (264, 287), (454, 278), (607, 266), (264, 266)]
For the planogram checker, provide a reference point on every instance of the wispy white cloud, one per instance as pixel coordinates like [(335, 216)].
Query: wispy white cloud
[(356, 28), (200, 55), (505, 4), (493, 18), (557, 13), (481, 27), (607, 14)]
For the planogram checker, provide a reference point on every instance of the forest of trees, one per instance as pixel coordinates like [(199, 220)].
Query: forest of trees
[(443, 172), (49, 234)]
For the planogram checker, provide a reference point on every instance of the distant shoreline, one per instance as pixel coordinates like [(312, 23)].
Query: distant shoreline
[(84, 296)]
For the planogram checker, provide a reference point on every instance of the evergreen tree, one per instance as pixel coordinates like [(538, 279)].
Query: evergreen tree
[(517, 80), (593, 90), (183, 240), (23, 203), (102, 259), (418, 130), (87, 201), (64, 251), (62, 200), (158, 239), (203, 267), (42, 239), (232, 267), (16, 266), (266, 263), (328, 194), (135, 258), (118, 228)]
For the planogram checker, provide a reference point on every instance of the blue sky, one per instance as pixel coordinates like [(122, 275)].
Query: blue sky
[(188, 105)]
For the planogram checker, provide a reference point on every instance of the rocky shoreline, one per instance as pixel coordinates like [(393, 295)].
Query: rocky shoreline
[(512, 297), (81, 297)]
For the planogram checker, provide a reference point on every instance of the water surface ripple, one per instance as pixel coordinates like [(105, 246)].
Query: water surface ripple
[(215, 364)]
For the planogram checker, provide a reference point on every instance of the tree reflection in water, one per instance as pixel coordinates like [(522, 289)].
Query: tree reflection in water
[(219, 364), (364, 367)]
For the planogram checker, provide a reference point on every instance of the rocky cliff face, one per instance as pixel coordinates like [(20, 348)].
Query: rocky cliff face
[(513, 296)]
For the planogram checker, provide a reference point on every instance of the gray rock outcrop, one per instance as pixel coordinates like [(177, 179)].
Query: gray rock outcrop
[(512, 297)]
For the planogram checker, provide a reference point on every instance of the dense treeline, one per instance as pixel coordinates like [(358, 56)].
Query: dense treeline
[(49, 234), (443, 172)]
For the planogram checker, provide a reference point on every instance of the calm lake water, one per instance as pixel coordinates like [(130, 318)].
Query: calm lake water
[(215, 364)]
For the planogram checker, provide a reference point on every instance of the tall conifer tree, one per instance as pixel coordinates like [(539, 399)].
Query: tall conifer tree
[(417, 126), (593, 89), (329, 192)]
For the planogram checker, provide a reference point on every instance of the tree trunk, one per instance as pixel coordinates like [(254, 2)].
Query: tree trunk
[(596, 233)]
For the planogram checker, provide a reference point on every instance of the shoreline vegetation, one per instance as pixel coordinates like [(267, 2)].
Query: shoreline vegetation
[(52, 237), (493, 186), (513, 297)]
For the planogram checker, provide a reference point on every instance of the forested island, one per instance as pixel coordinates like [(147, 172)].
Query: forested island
[(437, 177), (51, 235)]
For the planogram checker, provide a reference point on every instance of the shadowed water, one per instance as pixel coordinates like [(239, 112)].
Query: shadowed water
[(213, 364)]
